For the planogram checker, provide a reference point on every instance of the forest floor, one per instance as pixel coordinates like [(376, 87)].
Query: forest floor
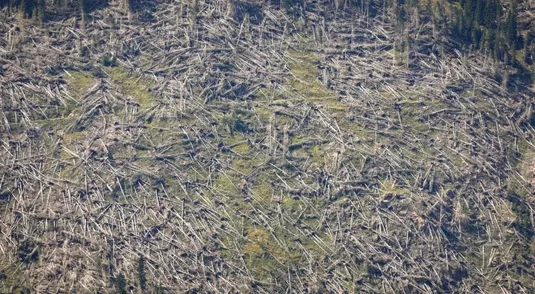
[(201, 151)]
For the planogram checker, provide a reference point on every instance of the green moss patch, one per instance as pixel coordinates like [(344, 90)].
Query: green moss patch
[(132, 84), (304, 81), (80, 82)]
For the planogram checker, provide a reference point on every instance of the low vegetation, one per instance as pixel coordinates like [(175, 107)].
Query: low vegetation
[(234, 146)]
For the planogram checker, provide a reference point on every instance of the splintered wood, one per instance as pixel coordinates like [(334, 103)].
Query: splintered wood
[(240, 147)]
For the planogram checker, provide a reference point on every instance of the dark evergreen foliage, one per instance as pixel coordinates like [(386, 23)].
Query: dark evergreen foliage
[(120, 284), (142, 276), (482, 24), (487, 25), (109, 60), (28, 252)]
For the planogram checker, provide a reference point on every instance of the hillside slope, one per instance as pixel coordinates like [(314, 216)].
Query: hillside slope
[(193, 146)]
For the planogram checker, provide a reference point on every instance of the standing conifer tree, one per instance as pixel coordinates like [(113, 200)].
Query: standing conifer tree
[(27, 8), (511, 26), (41, 8), (142, 276)]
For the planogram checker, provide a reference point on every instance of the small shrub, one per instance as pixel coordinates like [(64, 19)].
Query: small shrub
[(109, 60), (28, 252)]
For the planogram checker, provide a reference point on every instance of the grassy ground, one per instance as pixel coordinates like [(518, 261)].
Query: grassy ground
[(133, 85)]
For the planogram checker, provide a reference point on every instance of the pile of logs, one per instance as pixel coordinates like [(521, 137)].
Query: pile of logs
[(247, 149)]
